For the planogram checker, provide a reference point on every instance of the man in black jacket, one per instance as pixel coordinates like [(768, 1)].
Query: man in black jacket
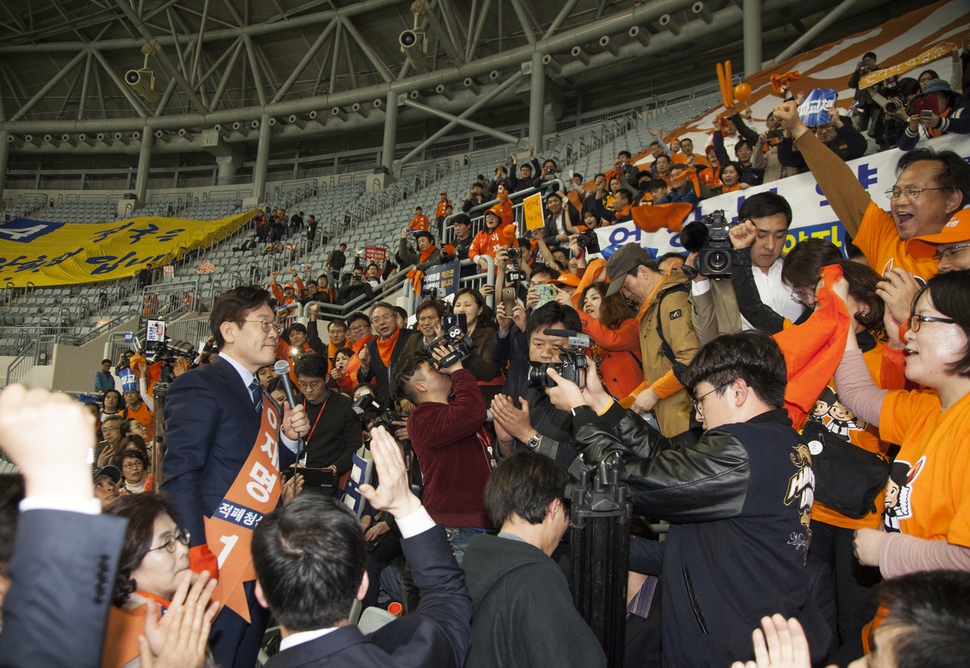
[(739, 500), (335, 429), (514, 584)]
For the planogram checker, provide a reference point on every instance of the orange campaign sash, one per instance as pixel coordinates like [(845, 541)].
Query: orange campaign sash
[(255, 492)]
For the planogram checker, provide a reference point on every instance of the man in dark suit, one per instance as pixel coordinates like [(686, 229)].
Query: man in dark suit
[(65, 558), (213, 416), (384, 350), (310, 560), (335, 428)]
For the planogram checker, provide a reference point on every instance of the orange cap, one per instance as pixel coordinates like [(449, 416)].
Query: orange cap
[(571, 280), (957, 229)]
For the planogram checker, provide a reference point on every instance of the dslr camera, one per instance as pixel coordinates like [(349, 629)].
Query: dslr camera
[(572, 367), (455, 328), (710, 238), (587, 239)]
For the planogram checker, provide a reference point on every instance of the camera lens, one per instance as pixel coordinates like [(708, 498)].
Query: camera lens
[(718, 260)]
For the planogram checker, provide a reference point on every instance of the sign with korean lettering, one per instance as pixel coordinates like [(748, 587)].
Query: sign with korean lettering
[(375, 254), (532, 206), (441, 281), (812, 215), (42, 253)]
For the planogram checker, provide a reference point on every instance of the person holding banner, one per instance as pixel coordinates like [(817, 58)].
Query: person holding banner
[(931, 187), (222, 466)]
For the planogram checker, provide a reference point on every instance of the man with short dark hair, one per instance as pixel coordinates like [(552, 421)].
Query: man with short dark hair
[(336, 261), (558, 222), (761, 235), (221, 429), (310, 559), (334, 434), (425, 256), (429, 314), (536, 424), (474, 198), (681, 187), (462, 241), (447, 432), (739, 500), (513, 582), (103, 380)]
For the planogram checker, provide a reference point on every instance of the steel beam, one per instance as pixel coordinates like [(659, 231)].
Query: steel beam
[(498, 134), (480, 102), (390, 132), (752, 37), (84, 87), (144, 163), (803, 41), (307, 57), (381, 68), (524, 21), (262, 158), (537, 102), (254, 66), (49, 86)]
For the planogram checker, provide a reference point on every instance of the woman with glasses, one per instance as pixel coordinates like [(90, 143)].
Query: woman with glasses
[(154, 562), (927, 517), (134, 469)]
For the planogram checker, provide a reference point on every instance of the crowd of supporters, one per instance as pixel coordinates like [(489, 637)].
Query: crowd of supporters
[(801, 421)]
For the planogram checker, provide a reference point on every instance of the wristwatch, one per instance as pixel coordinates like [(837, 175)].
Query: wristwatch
[(533, 442)]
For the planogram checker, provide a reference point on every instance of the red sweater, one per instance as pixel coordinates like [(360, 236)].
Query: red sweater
[(453, 460)]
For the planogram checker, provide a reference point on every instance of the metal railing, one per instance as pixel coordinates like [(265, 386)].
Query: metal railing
[(23, 363)]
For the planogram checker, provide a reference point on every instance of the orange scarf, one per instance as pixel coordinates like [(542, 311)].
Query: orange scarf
[(730, 189), (426, 253), (385, 347)]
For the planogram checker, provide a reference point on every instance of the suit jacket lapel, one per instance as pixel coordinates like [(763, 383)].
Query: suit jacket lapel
[(239, 391)]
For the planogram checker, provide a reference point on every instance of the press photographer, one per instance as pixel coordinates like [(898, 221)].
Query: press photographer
[(448, 435), (535, 423)]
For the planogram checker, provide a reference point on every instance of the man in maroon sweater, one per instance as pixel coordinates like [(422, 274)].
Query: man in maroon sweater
[(448, 435)]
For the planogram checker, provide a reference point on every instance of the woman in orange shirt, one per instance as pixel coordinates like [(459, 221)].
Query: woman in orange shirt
[(616, 335), (927, 520)]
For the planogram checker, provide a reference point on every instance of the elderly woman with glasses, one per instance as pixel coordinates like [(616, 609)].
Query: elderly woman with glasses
[(927, 514), (153, 579)]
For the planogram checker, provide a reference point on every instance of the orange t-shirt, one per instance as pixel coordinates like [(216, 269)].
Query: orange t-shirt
[(879, 242), (839, 420), (933, 501), (143, 415), (486, 243), (440, 210)]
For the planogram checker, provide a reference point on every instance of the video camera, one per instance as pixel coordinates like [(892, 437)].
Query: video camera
[(710, 238), (455, 329), (370, 407), (573, 365)]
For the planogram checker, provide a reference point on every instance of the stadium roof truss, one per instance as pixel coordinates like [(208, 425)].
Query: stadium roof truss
[(215, 72)]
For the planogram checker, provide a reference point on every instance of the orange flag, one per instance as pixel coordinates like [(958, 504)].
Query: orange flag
[(656, 217), (814, 349)]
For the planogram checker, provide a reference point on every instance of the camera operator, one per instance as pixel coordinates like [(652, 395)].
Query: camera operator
[(448, 435), (537, 424), (868, 108), (428, 314), (896, 105), (739, 500)]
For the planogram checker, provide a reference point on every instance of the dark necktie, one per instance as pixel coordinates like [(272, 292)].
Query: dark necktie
[(257, 392)]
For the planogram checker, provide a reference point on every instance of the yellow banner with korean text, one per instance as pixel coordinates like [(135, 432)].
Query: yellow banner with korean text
[(46, 254)]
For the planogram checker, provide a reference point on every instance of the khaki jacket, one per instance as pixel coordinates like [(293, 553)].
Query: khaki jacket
[(676, 318)]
